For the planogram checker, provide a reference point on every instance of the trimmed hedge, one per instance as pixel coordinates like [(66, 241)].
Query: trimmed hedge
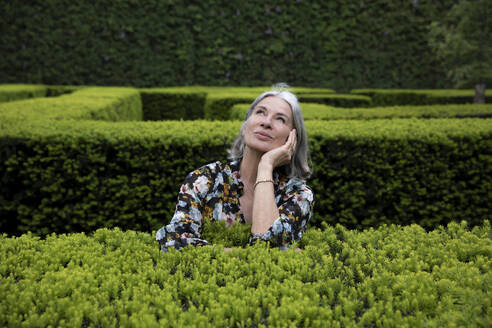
[(312, 111), (59, 176), (96, 103), (337, 100), (212, 103), (161, 43), (402, 171), (391, 276), (12, 92), (394, 97), (219, 104), (163, 104), (62, 171)]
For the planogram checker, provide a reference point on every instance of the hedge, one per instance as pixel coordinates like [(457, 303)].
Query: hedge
[(163, 104), (12, 92), (312, 111), (340, 45), (91, 103), (15, 92), (212, 103), (187, 103), (394, 97), (392, 276), (62, 171), (76, 176), (219, 104), (337, 100)]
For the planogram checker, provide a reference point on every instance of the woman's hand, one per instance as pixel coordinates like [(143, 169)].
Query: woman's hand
[(281, 155)]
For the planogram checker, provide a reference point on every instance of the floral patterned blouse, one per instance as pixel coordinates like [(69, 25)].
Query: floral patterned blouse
[(212, 192)]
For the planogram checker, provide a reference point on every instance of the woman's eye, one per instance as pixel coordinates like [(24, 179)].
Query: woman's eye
[(281, 119)]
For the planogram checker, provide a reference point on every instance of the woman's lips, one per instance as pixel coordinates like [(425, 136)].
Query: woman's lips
[(263, 136)]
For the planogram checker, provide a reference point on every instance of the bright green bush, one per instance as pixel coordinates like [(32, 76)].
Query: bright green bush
[(312, 111), (391, 276), (11, 92), (394, 97), (96, 103)]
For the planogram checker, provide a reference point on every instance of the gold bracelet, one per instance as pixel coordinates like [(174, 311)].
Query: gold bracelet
[(260, 181)]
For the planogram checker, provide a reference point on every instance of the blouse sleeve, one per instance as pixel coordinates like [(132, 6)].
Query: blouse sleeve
[(296, 209), (185, 226)]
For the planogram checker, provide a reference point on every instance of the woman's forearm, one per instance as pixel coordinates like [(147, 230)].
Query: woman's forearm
[(265, 210)]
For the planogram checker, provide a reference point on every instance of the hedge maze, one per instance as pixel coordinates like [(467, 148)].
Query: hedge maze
[(395, 172)]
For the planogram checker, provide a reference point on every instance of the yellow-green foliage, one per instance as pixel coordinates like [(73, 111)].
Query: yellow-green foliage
[(387, 277), (12, 92), (392, 97), (96, 103), (312, 111)]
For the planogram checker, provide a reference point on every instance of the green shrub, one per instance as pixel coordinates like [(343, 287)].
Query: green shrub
[(189, 103), (218, 106), (220, 103), (394, 97), (453, 97), (61, 175), (65, 168), (401, 171), (312, 111), (164, 104), (95, 103), (337, 100), (216, 232), (58, 90), (381, 43), (12, 92), (391, 276)]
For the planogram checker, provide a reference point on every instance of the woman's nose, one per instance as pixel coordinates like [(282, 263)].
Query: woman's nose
[(266, 121)]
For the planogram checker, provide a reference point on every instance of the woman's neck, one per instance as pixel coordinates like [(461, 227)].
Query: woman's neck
[(249, 166)]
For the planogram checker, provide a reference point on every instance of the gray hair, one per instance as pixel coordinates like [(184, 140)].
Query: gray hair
[(299, 166)]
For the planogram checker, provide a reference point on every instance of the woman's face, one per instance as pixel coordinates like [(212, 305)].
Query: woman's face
[(269, 124)]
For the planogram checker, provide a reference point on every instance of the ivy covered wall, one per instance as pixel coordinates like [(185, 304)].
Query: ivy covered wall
[(325, 43)]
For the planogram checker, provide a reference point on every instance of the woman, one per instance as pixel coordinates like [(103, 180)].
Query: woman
[(264, 184)]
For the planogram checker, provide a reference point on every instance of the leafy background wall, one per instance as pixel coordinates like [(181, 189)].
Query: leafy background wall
[(335, 44)]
